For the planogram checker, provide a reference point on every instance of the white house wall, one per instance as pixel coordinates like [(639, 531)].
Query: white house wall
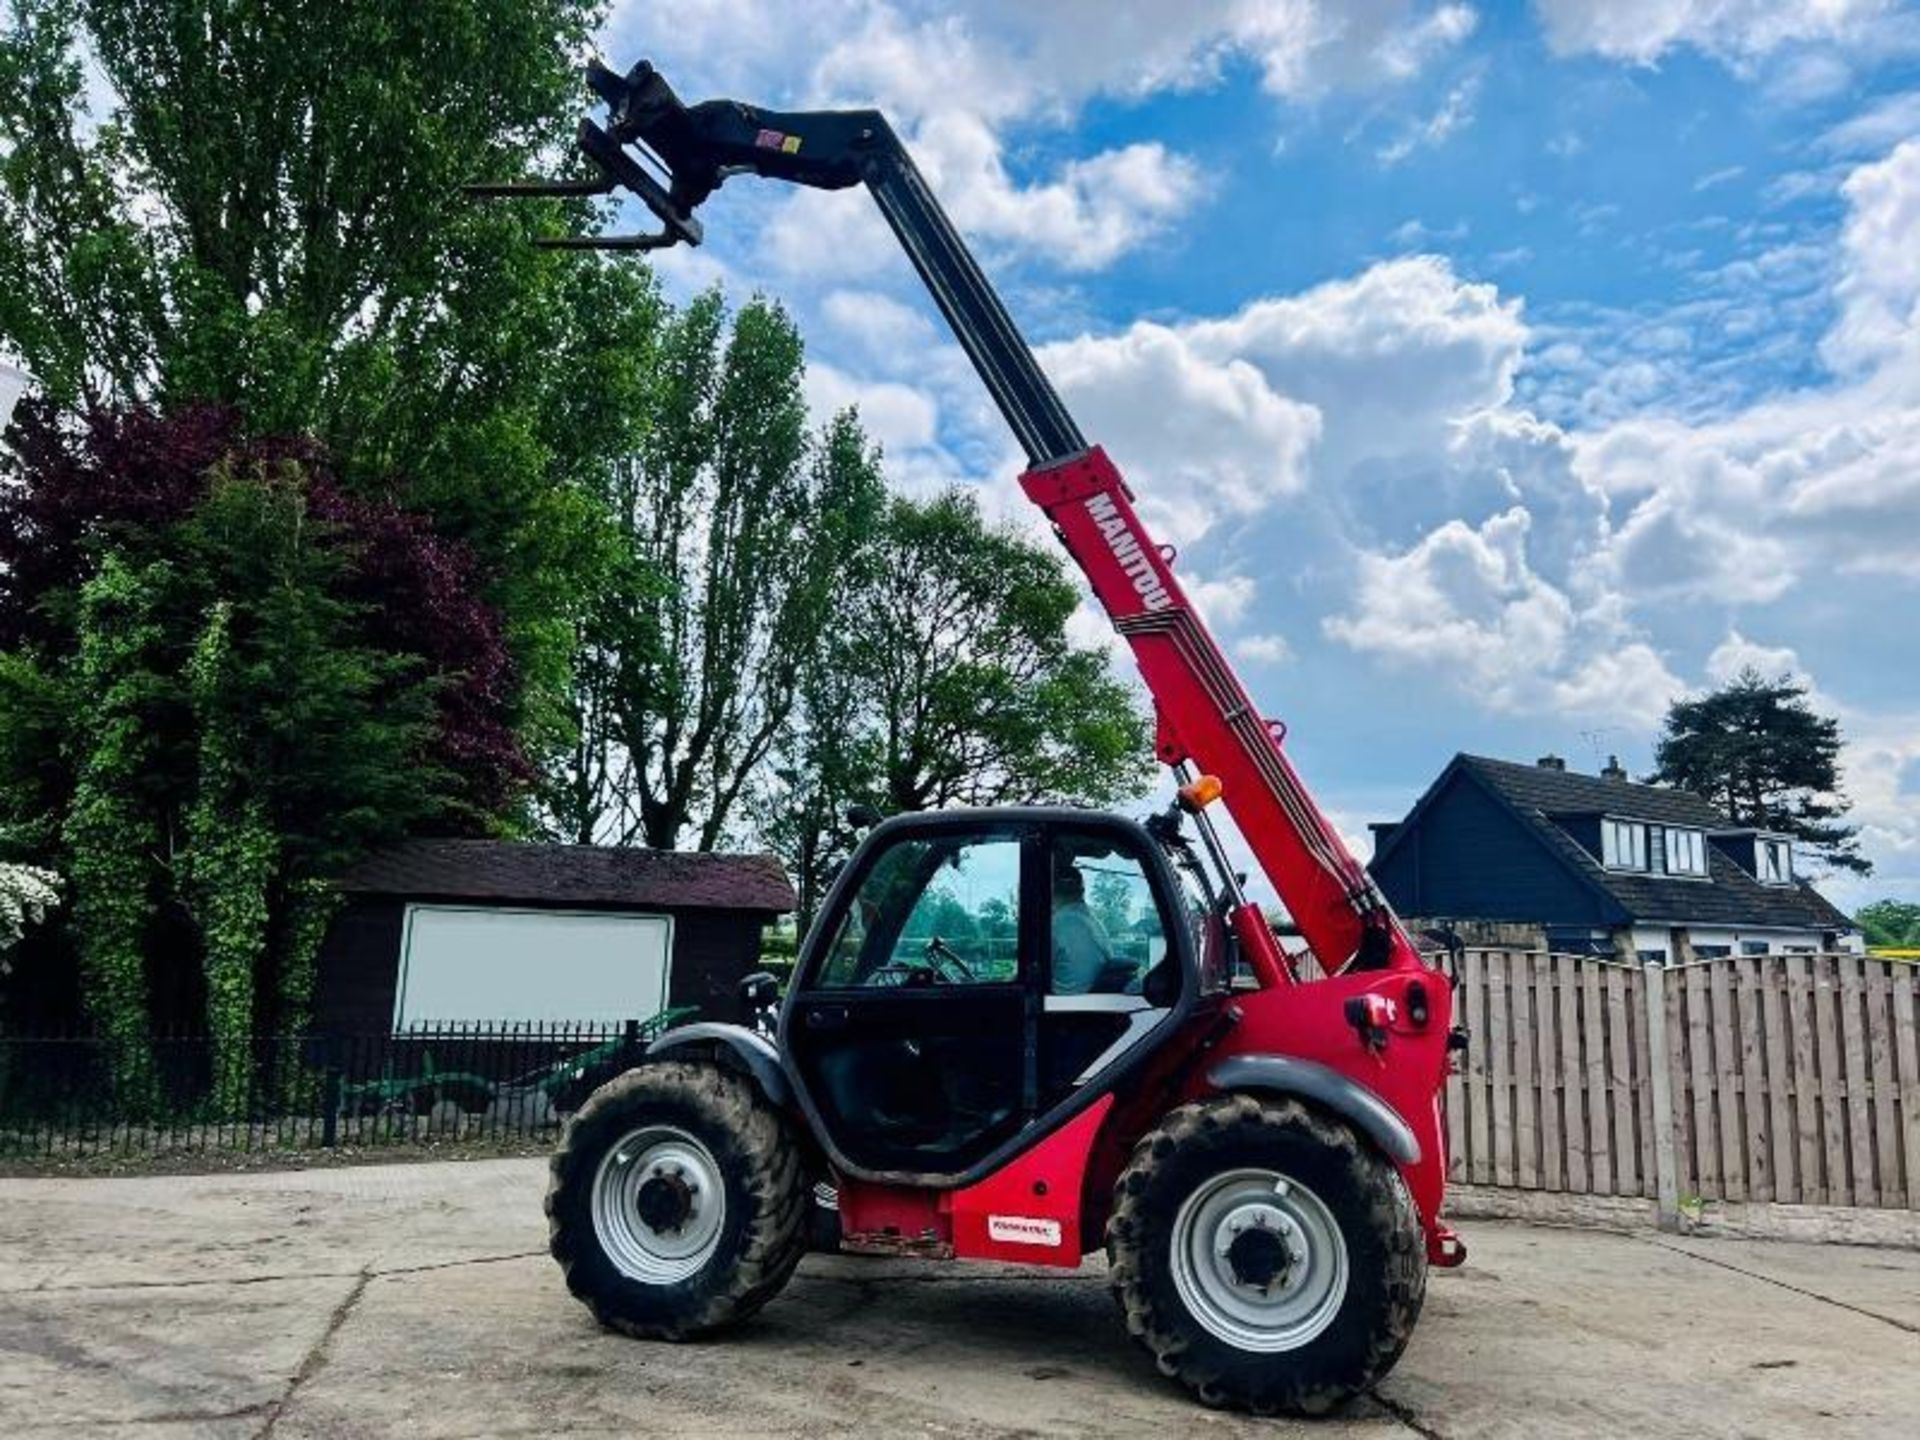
[(1657, 939)]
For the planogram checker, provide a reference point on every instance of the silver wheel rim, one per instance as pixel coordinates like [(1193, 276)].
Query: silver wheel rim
[(668, 1253), (1235, 1229)]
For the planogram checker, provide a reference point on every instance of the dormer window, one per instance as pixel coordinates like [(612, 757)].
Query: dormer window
[(1623, 844), (1776, 861), (1686, 852)]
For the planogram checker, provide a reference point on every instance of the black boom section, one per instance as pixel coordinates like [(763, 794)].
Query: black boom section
[(698, 147)]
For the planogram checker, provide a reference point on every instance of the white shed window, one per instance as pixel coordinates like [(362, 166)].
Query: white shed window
[(1776, 862), (465, 964), (1686, 852), (1623, 844)]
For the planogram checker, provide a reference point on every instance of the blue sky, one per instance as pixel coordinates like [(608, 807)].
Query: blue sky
[(1502, 371)]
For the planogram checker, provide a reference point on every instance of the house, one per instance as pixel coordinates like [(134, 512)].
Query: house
[(436, 932), (1600, 865)]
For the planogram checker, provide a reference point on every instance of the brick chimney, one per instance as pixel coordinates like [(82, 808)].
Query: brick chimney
[(1615, 770), (1551, 762)]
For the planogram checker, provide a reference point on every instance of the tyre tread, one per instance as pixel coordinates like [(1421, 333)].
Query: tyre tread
[(1389, 1212)]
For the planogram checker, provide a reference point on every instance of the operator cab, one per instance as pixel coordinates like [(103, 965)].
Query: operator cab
[(980, 976)]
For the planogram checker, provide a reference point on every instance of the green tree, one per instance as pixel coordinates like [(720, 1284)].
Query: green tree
[(1111, 899), (262, 199), (120, 694), (948, 678), (977, 695), (1893, 924), (1757, 750), (230, 699), (256, 202), (826, 762), (732, 526), (227, 866)]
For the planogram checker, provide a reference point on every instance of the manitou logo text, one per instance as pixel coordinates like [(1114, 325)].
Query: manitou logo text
[(1022, 1230), (1126, 549)]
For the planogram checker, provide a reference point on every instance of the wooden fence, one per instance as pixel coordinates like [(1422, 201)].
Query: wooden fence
[(1785, 1078)]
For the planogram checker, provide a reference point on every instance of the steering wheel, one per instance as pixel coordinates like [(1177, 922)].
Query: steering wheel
[(947, 964)]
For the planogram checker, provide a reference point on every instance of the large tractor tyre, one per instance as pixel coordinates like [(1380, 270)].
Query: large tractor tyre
[(677, 1201), (1266, 1256)]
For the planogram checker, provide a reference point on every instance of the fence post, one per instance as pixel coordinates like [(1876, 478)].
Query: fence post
[(331, 1094), (1660, 1074)]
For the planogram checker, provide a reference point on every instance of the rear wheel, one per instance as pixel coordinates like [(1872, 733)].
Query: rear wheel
[(1265, 1256), (676, 1201)]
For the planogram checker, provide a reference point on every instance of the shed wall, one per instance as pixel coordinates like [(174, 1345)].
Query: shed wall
[(359, 963)]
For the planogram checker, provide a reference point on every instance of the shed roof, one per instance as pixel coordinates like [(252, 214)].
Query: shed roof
[(515, 871)]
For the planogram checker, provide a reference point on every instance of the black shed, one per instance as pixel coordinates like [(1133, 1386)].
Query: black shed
[(437, 932)]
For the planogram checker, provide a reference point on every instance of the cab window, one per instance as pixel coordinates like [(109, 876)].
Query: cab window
[(938, 911), (1108, 934)]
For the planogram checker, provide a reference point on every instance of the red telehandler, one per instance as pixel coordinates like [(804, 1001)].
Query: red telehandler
[(1023, 1034)]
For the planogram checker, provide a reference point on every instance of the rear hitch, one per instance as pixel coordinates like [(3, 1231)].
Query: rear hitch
[(1445, 1250)]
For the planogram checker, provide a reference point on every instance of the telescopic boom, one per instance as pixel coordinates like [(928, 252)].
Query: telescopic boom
[(1206, 720)]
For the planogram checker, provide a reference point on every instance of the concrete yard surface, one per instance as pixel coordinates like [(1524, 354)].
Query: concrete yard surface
[(418, 1300)]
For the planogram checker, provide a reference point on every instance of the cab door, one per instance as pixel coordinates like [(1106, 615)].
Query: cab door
[(911, 1028), (1118, 935)]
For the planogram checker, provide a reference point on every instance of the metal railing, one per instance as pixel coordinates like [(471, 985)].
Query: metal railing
[(83, 1096)]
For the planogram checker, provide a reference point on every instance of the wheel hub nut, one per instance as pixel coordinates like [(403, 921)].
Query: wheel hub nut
[(1259, 1258), (665, 1201)]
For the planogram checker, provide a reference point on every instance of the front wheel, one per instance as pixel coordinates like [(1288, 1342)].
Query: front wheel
[(1265, 1256), (676, 1201)]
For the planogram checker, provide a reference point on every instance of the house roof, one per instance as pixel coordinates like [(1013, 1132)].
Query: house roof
[(1731, 895), (513, 871)]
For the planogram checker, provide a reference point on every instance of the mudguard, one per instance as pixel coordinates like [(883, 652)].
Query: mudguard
[(753, 1050), (1326, 1087)]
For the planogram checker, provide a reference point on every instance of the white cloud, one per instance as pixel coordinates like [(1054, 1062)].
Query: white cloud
[(1263, 649), (1303, 48), (877, 326), (1882, 125), (1205, 433), (1820, 483), (1737, 653), (1380, 401), (1417, 234), (1879, 292), (1806, 76), (1094, 212), (1221, 603), (1466, 605), (898, 416), (1391, 360), (1644, 30), (1454, 113)]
